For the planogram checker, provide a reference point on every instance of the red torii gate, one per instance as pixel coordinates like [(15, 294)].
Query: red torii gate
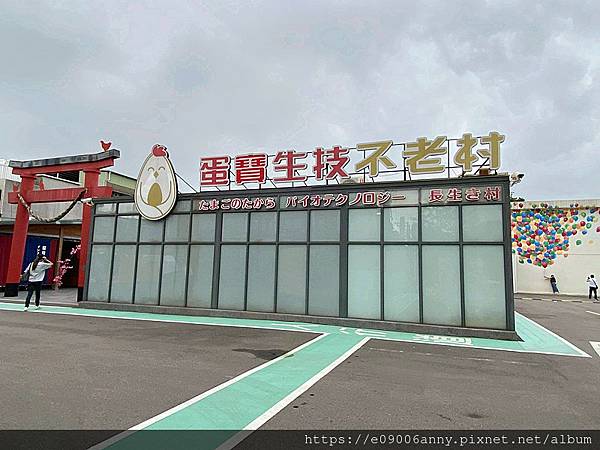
[(90, 164)]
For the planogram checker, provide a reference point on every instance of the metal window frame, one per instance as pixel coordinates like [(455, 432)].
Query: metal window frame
[(343, 242)]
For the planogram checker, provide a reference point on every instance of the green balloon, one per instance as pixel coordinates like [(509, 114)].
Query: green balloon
[(578, 242)]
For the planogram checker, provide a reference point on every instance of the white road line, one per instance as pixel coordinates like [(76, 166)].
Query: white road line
[(199, 397), (578, 350), (185, 322), (593, 312), (581, 353), (595, 346), (275, 409)]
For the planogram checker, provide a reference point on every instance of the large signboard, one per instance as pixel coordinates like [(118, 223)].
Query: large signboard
[(156, 188), (375, 198), (422, 157)]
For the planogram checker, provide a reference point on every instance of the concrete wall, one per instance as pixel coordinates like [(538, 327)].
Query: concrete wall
[(560, 238)]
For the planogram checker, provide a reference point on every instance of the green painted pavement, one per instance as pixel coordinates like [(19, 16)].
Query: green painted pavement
[(249, 400), (535, 338)]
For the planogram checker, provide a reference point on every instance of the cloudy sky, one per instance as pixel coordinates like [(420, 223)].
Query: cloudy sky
[(226, 77)]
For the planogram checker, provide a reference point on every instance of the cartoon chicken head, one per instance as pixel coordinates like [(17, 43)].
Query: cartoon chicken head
[(156, 188)]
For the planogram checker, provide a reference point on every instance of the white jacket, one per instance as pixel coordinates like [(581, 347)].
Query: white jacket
[(39, 272), (592, 282)]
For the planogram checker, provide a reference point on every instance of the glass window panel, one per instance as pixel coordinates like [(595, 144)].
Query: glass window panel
[(261, 278), (324, 280), (148, 273), (99, 273), (440, 223), (106, 208), (203, 227), (364, 293), (482, 223), (485, 302), (401, 224), (235, 227), (178, 227), (172, 288), (200, 276), (263, 226), (104, 228), (403, 197), (182, 206), (325, 225), (441, 284), (232, 278), (123, 274), (127, 228), (401, 283), (291, 279), (151, 231), (127, 208), (293, 226), (364, 224)]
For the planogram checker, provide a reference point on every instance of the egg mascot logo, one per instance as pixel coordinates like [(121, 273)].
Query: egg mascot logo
[(156, 188)]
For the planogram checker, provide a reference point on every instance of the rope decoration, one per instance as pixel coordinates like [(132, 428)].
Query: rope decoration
[(53, 219)]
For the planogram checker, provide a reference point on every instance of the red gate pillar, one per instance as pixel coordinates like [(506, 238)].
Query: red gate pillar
[(91, 181), (19, 239)]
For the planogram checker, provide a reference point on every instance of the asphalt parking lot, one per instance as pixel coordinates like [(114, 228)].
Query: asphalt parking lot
[(65, 372), (96, 373), (415, 386)]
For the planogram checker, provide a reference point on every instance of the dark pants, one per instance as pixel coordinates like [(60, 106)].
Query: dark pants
[(595, 291), (34, 286), (554, 288)]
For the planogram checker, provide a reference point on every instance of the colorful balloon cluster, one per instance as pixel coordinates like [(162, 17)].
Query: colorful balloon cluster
[(541, 234)]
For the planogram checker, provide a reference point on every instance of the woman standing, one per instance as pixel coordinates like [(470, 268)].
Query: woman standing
[(35, 273), (553, 283)]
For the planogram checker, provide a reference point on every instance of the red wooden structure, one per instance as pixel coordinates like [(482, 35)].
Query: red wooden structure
[(90, 164)]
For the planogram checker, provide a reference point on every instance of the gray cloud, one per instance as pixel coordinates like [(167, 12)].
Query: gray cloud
[(228, 77)]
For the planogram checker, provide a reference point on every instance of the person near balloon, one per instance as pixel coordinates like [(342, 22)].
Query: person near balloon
[(553, 284), (593, 288)]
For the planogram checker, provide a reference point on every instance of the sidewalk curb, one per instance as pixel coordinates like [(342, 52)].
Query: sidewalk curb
[(556, 300), (42, 303)]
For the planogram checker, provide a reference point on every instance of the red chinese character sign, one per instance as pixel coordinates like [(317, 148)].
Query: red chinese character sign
[(251, 168), (215, 171), (367, 161)]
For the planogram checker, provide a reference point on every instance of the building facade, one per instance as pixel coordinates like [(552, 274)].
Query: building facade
[(560, 238), (434, 252)]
